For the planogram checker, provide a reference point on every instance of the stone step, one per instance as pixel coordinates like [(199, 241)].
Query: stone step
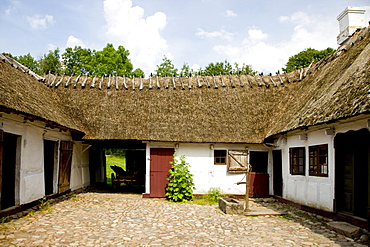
[(345, 228)]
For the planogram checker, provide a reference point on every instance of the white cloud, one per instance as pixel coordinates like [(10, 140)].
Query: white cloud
[(127, 26), (73, 41), (256, 34), (230, 13), (216, 34), (40, 22), (51, 47), (308, 31)]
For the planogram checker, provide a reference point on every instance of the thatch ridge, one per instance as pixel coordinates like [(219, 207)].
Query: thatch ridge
[(181, 83)]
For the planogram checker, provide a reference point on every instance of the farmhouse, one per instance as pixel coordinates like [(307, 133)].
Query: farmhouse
[(306, 133)]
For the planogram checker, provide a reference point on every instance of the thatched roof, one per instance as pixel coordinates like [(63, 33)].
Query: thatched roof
[(231, 109), (219, 109), (22, 93), (338, 88)]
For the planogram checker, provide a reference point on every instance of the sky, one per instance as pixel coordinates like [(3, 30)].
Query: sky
[(260, 33)]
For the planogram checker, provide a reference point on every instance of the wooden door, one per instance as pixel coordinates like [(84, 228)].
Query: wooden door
[(65, 164), (160, 159)]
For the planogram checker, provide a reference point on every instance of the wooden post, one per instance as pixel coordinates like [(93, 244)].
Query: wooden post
[(246, 206)]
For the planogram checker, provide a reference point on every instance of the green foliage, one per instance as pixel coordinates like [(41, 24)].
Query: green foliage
[(138, 73), (114, 160), (305, 57), (166, 68), (214, 194), (218, 68), (185, 70), (78, 60), (28, 61), (50, 63), (180, 186)]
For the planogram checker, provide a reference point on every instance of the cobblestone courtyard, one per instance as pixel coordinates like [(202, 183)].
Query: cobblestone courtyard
[(107, 219)]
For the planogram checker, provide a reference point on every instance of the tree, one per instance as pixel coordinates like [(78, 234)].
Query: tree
[(166, 68), (50, 63), (245, 69), (305, 57), (185, 70), (138, 73), (76, 61), (218, 68), (28, 61), (111, 61)]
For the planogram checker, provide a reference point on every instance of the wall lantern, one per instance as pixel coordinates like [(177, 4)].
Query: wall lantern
[(176, 145), (211, 146), (330, 132)]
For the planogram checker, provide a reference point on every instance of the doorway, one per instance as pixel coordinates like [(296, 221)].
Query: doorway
[(160, 165), (10, 162), (258, 178), (352, 163), (277, 172), (50, 165)]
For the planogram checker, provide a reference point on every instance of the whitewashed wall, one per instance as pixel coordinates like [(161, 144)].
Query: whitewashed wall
[(30, 177), (317, 192), (207, 175)]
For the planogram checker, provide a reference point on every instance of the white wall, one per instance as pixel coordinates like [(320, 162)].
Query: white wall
[(201, 160), (308, 190), (31, 168)]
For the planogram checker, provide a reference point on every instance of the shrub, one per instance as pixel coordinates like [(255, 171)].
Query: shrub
[(180, 186)]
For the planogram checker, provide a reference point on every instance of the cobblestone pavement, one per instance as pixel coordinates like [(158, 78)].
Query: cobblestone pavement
[(107, 219)]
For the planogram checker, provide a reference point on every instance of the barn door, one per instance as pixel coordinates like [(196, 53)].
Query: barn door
[(65, 164), (160, 159)]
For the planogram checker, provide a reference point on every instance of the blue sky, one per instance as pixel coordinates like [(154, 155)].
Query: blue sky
[(261, 33)]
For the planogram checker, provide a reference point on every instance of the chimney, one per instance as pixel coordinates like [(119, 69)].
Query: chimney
[(350, 20)]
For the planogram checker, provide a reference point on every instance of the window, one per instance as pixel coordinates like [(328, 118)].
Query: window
[(220, 157), (318, 160), (297, 161)]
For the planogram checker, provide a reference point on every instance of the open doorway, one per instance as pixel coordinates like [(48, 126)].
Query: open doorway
[(125, 169), (50, 166), (9, 165)]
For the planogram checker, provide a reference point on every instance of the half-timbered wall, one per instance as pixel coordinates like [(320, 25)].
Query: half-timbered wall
[(29, 184)]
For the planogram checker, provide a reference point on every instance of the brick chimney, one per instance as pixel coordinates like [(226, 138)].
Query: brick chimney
[(350, 20)]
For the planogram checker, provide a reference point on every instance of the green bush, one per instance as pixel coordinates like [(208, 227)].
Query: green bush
[(214, 194), (180, 186)]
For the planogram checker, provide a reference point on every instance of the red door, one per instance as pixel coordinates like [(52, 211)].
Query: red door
[(160, 159)]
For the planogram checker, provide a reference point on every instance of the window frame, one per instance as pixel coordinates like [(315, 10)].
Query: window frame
[(316, 155), (215, 157), (294, 160)]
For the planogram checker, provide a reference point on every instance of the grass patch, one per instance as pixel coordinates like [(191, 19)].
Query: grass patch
[(114, 160)]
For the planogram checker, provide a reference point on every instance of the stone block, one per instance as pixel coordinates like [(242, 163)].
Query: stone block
[(345, 228)]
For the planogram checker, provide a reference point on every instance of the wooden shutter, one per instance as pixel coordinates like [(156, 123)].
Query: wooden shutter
[(65, 164), (237, 161)]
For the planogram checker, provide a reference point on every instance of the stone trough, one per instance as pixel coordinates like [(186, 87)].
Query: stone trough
[(234, 206), (231, 206)]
